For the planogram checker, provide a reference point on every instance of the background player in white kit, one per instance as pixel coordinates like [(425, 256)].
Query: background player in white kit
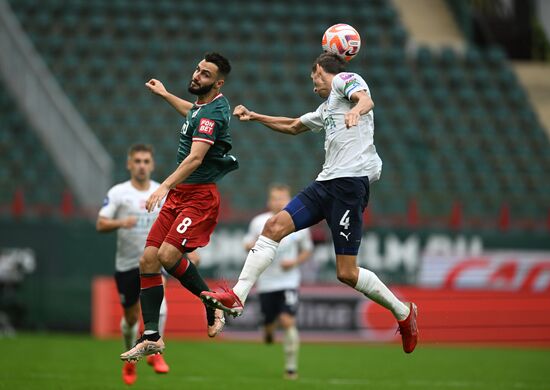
[(278, 285), (124, 210), (339, 194)]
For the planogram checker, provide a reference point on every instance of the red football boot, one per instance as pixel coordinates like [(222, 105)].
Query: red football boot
[(158, 363), (129, 374), (225, 300), (409, 330)]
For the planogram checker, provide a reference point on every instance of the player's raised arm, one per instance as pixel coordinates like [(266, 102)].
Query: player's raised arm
[(292, 126), (182, 106)]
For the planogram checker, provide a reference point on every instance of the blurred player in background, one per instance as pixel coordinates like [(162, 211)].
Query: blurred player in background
[(124, 211), (191, 209), (339, 194), (278, 285)]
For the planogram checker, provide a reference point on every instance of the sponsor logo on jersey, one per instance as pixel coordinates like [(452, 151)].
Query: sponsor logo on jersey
[(346, 76), (206, 126)]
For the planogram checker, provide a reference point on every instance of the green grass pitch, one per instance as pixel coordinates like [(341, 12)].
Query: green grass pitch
[(54, 361)]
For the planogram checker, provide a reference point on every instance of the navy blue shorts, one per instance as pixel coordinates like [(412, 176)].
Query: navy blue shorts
[(128, 286), (273, 303), (341, 202)]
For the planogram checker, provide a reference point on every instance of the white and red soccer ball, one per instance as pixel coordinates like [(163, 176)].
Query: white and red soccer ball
[(343, 40)]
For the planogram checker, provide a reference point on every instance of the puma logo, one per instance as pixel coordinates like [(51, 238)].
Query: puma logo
[(346, 236)]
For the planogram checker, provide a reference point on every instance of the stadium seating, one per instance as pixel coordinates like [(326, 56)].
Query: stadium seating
[(26, 168), (448, 127)]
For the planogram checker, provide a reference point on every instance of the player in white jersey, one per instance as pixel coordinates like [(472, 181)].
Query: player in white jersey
[(278, 285), (339, 194), (124, 211)]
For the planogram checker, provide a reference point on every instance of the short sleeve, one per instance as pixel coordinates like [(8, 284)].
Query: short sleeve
[(208, 127), (346, 84), (313, 120), (110, 205), (306, 243)]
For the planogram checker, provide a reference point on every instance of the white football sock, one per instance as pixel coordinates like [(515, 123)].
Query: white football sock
[(369, 284), (163, 313), (129, 333), (258, 259), (291, 346)]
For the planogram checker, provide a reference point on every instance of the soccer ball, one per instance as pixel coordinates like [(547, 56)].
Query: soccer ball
[(343, 40)]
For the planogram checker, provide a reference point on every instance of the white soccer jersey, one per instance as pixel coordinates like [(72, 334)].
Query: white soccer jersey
[(274, 278), (348, 152), (124, 200)]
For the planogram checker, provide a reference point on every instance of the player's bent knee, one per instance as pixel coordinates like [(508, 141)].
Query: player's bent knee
[(146, 262), (286, 321), (276, 228), (163, 257), (347, 277), (168, 256), (149, 263)]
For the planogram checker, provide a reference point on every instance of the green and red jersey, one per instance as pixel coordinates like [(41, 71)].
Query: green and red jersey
[(208, 122)]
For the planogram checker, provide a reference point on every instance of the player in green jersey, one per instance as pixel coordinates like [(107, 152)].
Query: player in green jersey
[(190, 211)]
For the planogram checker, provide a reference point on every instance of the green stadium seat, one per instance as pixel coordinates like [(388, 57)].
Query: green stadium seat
[(430, 108)]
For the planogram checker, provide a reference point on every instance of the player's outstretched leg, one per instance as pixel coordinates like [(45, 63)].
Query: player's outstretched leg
[(258, 259), (370, 285)]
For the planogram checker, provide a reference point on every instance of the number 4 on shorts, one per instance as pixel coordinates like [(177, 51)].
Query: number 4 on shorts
[(345, 220)]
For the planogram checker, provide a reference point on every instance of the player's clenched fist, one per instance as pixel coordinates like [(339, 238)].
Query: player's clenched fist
[(242, 112), (156, 87)]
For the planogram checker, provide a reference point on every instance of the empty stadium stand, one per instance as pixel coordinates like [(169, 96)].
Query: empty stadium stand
[(450, 128), (28, 177)]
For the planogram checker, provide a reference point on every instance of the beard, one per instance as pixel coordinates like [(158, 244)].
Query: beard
[(199, 91)]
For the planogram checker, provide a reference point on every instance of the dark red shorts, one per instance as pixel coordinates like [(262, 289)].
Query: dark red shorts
[(187, 218)]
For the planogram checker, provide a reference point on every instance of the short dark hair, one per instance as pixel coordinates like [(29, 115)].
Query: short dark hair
[(140, 148), (224, 67), (330, 62)]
